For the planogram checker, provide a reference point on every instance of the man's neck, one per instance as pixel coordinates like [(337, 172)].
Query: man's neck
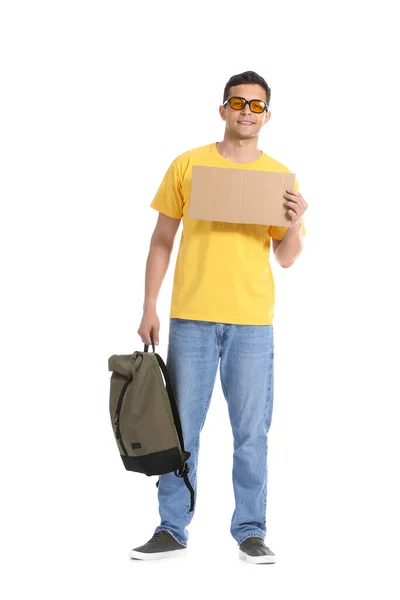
[(240, 151)]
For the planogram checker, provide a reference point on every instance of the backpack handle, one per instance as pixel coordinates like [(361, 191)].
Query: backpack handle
[(146, 346)]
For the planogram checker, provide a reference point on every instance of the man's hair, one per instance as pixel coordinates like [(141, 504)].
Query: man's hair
[(247, 77)]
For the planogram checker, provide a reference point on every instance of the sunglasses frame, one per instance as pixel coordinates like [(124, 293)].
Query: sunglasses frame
[(246, 102)]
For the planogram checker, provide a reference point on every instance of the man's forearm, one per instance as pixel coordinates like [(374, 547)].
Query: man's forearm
[(156, 267), (290, 246)]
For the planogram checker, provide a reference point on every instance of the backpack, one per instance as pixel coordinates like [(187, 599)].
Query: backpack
[(145, 417)]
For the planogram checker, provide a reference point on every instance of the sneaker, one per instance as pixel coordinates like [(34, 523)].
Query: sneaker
[(161, 545), (254, 550)]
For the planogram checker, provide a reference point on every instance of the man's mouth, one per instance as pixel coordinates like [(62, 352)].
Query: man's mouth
[(246, 122)]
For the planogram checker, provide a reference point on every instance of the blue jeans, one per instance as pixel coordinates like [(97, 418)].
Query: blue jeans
[(246, 371)]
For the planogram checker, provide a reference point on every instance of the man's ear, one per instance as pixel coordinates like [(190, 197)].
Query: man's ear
[(267, 117), (222, 112)]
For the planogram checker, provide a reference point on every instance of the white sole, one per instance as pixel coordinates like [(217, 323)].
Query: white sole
[(157, 555), (267, 559)]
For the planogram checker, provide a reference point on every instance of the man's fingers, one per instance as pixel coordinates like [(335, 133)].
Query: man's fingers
[(145, 337), (148, 342), (291, 204), (292, 213), (154, 335)]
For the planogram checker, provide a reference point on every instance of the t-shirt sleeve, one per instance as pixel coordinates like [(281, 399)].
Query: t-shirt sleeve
[(277, 232), (169, 197)]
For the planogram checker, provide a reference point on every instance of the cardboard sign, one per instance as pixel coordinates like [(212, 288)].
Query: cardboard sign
[(239, 195)]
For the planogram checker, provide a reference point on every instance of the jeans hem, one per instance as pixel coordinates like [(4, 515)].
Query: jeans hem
[(173, 535)]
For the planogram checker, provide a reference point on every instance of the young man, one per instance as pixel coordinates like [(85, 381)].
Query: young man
[(221, 310)]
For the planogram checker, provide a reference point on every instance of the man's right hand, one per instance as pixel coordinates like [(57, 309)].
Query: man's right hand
[(149, 326)]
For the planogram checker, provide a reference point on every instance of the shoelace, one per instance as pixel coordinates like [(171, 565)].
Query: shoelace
[(257, 541), (159, 534)]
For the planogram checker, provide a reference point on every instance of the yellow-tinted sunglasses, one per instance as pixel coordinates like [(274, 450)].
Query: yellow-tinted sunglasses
[(238, 103)]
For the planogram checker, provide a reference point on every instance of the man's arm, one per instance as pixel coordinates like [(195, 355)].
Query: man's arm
[(162, 242), (288, 249)]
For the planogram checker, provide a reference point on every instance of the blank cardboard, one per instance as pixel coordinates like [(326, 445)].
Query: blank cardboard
[(239, 195)]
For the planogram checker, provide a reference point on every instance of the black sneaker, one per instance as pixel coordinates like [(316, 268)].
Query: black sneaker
[(254, 550), (161, 545)]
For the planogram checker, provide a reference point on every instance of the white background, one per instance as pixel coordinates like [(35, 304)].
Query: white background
[(97, 99)]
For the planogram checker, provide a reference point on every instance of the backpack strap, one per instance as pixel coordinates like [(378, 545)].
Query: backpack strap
[(146, 346), (184, 470), (184, 473)]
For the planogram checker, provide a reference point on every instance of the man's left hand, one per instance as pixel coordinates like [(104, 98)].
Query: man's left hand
[(296, 206)]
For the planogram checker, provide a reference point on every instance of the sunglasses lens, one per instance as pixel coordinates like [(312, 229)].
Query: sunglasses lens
[(236, 103), (257, 106)]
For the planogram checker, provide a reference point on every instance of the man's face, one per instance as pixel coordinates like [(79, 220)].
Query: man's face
[(236, 119)]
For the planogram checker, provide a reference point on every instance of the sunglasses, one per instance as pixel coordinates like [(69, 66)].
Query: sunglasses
[(238, 103)]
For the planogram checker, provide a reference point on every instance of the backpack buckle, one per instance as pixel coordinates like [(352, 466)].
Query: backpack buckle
[(181, 472)]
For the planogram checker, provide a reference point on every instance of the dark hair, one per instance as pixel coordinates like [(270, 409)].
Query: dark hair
[(247, 77)]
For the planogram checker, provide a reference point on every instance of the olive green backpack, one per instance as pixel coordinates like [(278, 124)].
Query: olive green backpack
[(145, 417)]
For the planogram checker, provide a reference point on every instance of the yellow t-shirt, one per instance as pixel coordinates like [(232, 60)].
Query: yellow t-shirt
[(222, 272)]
